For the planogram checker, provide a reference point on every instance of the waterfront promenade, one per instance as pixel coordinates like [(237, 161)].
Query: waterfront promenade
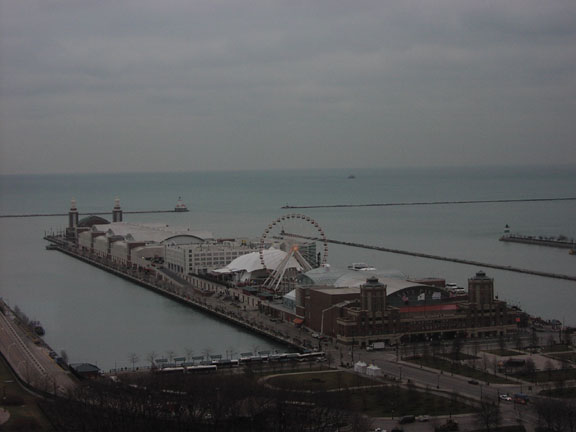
[(29, 357)]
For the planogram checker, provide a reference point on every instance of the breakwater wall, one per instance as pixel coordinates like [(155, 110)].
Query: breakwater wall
[(443, 258), (538, 241), (422, 203), (215, 307), (28, 215)]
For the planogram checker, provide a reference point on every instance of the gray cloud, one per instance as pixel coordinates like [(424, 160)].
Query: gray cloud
[(222, 84)]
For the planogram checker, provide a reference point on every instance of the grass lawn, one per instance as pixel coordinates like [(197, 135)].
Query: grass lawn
[(320, 381), (24, 413), (458, 369), (513, 428), (385, 401), (557, 348), (568, 393), (546, 376), (459, 356), (565, 356), (395, 401), (504, 352)]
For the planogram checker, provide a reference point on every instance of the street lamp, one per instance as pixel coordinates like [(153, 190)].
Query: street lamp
[(438, 382)]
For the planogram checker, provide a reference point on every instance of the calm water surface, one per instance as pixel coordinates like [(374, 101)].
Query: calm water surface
[(99, 318)]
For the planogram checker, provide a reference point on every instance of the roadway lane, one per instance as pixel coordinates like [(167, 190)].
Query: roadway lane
[(31, 362)]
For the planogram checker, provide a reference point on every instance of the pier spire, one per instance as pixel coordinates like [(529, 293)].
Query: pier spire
[(73, 214), (117, 211)]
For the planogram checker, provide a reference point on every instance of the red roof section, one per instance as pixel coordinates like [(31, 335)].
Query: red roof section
[(429, 308)]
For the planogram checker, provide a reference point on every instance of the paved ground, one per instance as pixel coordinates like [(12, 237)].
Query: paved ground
[(4, 416), (30, 359)]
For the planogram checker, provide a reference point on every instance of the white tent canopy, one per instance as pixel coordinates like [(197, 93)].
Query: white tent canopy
[(374, 371), (251, 262)]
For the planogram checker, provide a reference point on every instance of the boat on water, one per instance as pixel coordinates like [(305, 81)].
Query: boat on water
[(455, 290), (361, 267), (351, 176), (180, 206)]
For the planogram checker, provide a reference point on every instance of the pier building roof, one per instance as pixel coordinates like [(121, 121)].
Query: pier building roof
[(152, 233), (89, 221), (338, 277), (251, 262)]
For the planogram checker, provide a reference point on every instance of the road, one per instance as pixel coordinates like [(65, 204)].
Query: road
[(31, 361)]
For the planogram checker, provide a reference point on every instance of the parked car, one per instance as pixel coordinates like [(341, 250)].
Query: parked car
[(407, 419), (473, 382), (423, 418), (449, 426), (506, 397)]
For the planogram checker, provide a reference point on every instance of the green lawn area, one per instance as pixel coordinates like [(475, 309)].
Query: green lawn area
[(504, 352), (513, 428), (458, 369), (24, 412), (546, 376), (557, 348), (565, 356), (568, 393), (395, 401), (385, 401), (320, 381), (459, 356)]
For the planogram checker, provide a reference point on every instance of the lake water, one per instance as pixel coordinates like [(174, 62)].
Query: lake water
[(98, 318)]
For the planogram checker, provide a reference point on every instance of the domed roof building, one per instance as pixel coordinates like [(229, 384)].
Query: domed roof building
[(90, 221)]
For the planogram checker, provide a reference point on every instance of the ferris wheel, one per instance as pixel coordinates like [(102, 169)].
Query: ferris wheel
[(302, 239)]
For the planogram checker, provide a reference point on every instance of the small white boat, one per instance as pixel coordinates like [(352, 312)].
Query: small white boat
[(361, 267)]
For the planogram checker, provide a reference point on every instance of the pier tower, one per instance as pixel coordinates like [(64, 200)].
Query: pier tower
[(117, 211), (71, 231), (73, 215), (481, 289), (373, 296)]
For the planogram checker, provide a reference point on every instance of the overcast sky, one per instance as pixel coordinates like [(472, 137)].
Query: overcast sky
[(142, 85)]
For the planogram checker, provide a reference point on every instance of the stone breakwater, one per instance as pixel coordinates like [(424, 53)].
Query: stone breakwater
[(563, 244)]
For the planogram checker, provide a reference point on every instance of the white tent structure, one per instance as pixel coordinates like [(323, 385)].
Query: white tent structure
[(373, 371), (244, 266), (360, 367)]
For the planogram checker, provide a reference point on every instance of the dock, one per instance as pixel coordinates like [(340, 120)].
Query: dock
[(426, 203), (539, 241)]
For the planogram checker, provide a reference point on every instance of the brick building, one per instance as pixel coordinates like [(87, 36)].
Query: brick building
[(393, 310)]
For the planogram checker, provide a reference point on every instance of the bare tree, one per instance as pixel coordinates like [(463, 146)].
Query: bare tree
[(64, 356), (189, 353), (501, 342), (133, 358), (489, 415), (530, 367), (206, 352), (456, 348), (150, 357), (549, 367)]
